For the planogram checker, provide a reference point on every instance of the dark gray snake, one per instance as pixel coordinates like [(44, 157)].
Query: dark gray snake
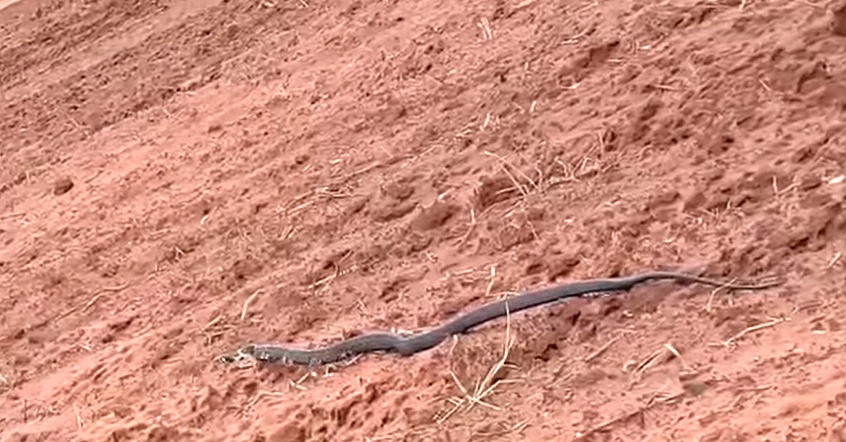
[(416, 343)]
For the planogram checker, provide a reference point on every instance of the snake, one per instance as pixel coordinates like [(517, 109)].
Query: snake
[(407, 345)]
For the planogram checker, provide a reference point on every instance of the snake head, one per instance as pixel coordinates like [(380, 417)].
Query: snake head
[(247, 351), (237, 357), (229, 358)]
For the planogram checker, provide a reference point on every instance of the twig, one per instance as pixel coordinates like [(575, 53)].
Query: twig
[(601, 350), (676, 353), (491, 282), (247, 304), (484, 25), (97, 295), (515, 182), (102, 292), (469, 229), (505, 162), (79, 422), (752, 329), (298, 384), (834, 260), (753, 389), (213, 322), (646, 363)]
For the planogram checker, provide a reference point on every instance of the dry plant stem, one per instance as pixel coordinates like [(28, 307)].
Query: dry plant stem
[(601, 350), (298, 384), (79, 422), (97, 295), (751, 329), (102, 292), (505, 162), (513, 179), (486, 386), (676, 353), (516, 183), (213, 322), (834, 260), (247, 304), (470, 228), (491, 282), (649, 360)]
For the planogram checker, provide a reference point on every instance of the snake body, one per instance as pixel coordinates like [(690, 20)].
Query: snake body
[(419, 342)]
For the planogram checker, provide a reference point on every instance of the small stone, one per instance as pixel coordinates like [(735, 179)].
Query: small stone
[(695, 388), (62, 186), (810, 182), (289, 432), (694, 201)]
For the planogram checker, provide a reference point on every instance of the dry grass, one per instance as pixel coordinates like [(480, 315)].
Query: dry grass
[(661, 355), (484, 387), (512, 177), (834, 260), (751, 329), (469, 228), (601, 350), (247, 302), (94, 298)]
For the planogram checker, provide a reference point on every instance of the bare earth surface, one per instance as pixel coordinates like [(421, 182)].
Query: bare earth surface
[(181, 177)]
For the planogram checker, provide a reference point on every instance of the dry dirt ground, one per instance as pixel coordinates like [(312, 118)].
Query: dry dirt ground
[(181, 177)]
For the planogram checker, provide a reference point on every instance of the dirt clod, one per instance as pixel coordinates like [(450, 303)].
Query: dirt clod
[(62, 186), (434, 216)]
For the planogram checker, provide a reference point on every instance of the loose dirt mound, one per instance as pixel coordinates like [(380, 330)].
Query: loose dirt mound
[(182, 177)]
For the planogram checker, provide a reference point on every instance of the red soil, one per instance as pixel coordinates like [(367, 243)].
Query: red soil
[(349, 167)]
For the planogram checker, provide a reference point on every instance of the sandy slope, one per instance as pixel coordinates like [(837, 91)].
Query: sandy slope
[(350, 166)]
